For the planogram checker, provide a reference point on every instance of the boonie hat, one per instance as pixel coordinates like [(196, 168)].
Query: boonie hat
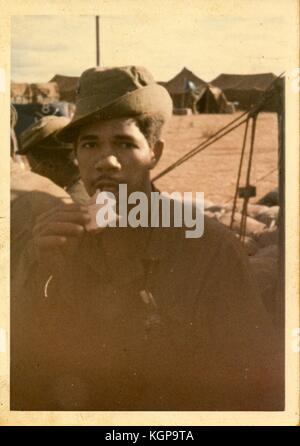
[(109, 93), (42, 134)]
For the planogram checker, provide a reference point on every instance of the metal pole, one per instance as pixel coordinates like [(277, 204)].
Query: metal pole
[(97, 40)]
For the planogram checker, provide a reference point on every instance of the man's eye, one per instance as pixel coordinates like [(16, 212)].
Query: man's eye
[(88, 145), (126, 145)]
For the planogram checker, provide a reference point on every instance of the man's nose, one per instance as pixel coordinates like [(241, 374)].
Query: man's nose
[(109, 162)]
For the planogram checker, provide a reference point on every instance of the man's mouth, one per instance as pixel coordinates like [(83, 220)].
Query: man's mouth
[(107, 185)]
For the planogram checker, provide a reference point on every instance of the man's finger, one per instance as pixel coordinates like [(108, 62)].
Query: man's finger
[(65, 208), (59, 228), (72, 217), (77, 218), (50, 242)]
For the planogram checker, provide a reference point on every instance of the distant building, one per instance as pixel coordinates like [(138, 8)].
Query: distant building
[(38, 93), (247, 89), (67, 86), (189, 91), (180, 89)]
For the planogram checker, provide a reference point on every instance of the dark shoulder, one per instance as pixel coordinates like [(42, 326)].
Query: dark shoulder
[(33, 188), (31, 195), (23, 181)]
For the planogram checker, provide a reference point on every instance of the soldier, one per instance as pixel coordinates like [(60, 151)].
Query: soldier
[(31, 195), (137, 318), (51, 158), (13, 138)]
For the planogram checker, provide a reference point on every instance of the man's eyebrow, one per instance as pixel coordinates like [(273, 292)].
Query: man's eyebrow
[(124, 137), (87, 138)]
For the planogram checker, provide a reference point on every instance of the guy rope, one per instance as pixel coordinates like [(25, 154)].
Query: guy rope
[(246, 117)]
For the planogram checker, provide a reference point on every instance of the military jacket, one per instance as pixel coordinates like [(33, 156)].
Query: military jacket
[(146, 319)]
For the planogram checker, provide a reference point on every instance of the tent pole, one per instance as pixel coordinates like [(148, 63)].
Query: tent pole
[(97, 40)]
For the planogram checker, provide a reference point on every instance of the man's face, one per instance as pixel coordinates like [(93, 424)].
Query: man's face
[(115, 152)]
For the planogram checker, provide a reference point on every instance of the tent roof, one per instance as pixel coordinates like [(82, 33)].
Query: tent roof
[(65, 83), (177, 85), (35, 91), (50, 87), (45, 91), (244, 81), (67, 86), (18, 88), (217, 92)]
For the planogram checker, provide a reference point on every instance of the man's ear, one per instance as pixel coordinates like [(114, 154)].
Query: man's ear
[(157, 151)]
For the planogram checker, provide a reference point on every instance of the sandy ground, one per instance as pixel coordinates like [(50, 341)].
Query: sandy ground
[(214, 171)]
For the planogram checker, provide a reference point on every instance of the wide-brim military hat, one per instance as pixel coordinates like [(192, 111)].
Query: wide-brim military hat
[(109, 93), (42, 134)]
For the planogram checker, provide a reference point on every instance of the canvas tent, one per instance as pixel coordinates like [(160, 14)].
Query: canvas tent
[(39, 93), (189, 91), (181, 88), (20, 93), (246, 89), (67, 86), (210, 99), (44, 93)]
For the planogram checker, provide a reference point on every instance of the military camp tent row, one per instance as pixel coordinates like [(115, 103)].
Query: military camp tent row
[(224, 94)]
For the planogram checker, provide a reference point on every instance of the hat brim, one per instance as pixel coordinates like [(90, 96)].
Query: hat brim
[(152, 99), (42, 132), (51, 142)]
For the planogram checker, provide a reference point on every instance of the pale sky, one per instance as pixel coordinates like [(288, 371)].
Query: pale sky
[(43, 46)]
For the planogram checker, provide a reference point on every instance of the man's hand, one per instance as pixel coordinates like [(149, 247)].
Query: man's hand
[(58, 229)]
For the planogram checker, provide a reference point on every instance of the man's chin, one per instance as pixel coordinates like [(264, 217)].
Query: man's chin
[(111, 190), (110, 193)]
